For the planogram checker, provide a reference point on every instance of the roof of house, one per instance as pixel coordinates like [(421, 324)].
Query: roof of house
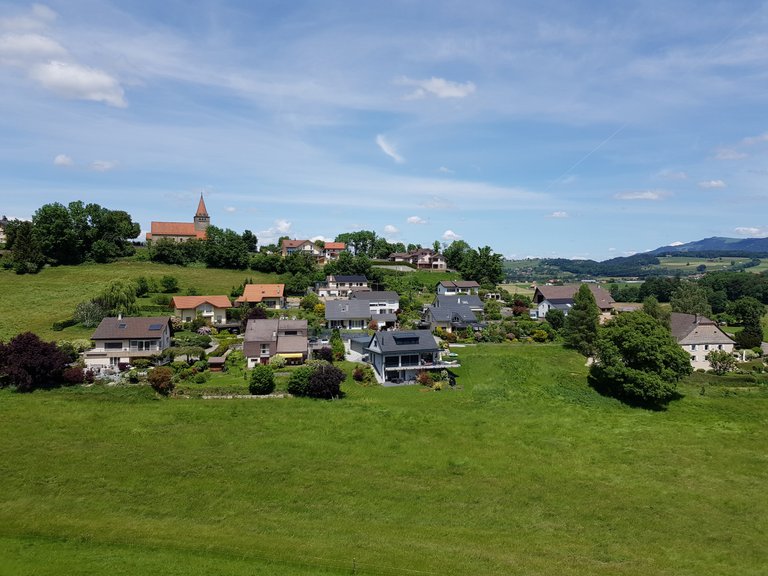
[(347, 309), (399, 255), (288, 243), (450, 312), (175, 229), (696, 329), (335, 246), (347, 278), (189, 302), (471, 300), (459, 284), (405, 341), (289, 344), (375, 295), (257, 292), (131, 327), (564, 294), (201, 209)]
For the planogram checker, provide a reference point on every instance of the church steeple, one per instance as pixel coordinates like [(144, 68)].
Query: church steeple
[(202, 220)]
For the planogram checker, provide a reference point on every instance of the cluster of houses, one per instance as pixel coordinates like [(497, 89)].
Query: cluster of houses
[(351, 305)]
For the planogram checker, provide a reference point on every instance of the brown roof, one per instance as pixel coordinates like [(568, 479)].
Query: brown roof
[(175, 229), (696, 329), (335, 245), (201, 209), (257, 292), (286, 243), (603, 298), (189, 302), (131, 327), (289, 344)]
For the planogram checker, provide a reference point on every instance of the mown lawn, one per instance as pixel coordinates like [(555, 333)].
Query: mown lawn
[(522, 470)]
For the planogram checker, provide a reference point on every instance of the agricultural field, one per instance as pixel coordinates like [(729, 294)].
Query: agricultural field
[(523, 469), (689, 265)]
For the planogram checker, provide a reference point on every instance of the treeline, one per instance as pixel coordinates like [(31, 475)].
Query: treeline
[(720, 288), (71, 234), (638, 265)]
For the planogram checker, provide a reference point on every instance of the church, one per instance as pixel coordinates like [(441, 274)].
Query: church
[(182, 231)]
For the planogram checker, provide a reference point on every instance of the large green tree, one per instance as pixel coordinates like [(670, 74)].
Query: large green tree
[(455, 252), (224, 249), (690, 298), (26, 254), (581, 324), (483, 266), (638, 361)]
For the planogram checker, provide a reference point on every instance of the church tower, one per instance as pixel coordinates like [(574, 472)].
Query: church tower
[(202, 220)]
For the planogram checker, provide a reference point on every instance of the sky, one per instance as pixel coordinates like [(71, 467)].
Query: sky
[(579, 129)]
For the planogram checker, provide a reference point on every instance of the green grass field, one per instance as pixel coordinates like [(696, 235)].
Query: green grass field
[(523, 470), (713, 264)]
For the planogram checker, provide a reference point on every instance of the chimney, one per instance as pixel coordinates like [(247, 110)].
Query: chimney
[(119, 315)]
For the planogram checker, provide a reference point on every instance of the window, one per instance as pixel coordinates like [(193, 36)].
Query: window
[(113, 345), (693, 346), (706, 346), (719, 346), (265, 349), (693, 358)]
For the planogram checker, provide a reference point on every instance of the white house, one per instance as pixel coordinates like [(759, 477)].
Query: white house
[(699, 336), (121, 340)]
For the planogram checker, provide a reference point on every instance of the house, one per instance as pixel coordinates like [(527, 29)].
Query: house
[(119, 341), (339, 286), (265, 339), (3, 225), (379, 301), (211, 308), (182, 231), (399, 356), (270, 295), (322, 252), (698, 336), (422, 258), (453, 287), (546, 298), (356, 314), (449, 317), (471, 301)]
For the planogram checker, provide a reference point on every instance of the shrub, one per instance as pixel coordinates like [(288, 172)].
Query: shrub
[(73, 375), (235, 361), (364, 375), (161, 380), (161, 299), (142, 363), (324, 353), (169, 284), (325, 382), (262, 380), (298, 383), (59, 326), (424, 378), (277, 362)]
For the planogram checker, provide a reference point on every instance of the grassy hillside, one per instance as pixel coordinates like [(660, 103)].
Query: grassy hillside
[(524, 470)]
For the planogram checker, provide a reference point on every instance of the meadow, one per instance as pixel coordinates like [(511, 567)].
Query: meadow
[(523, 469)]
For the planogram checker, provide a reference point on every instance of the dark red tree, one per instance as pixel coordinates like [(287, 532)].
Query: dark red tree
[(28, 363)]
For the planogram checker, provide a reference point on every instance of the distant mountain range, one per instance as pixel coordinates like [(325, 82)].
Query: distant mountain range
[(733, 247)]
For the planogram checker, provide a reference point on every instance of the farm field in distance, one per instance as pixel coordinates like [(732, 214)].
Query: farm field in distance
[(522, 470)]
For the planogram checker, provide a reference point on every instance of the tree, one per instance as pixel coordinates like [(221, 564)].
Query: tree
[(751, 336), (360, 242), (721, 361), (119, 298), (26, 255), (652, 307), (89, 313), (224, 249), (298, 383), (337, 345), (455, 252), (746, 308), (325, 382), (55, 231), (690, 298), (28, 363), (582, 321), (492, 310), (482, 266), (262, 380), (250, 240), (638, 361), (555, 318), (161, 380), (169, 284)]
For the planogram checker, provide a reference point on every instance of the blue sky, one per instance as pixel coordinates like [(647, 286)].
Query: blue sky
[(570, 129)]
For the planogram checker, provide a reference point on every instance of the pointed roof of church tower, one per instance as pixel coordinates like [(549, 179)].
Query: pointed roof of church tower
[(201, 209)]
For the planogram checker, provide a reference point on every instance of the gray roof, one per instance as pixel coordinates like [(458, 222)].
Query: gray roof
[(261, 330), (350, 278), (288, 344), (471, 300), (347, 309), (696, 329), (566, 293), (405, 341), (376, 295), (131, 327), (452, 313), (460, 284)]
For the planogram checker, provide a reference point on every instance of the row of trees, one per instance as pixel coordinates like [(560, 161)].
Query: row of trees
[(69, 234), (222, 248)]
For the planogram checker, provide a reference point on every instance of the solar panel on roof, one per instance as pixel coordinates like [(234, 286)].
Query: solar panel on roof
[(155, 326)]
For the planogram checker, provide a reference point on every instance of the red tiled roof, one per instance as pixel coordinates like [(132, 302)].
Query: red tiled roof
[(335, 245), (175, 229), (190, 302), (286, 243), (257, 292)]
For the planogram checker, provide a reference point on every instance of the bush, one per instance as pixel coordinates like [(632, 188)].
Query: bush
[(59, 326), (424, 378), (277, 362), (298, 383), (325, 382), (161, 380), (324, 353), (73, 375), (169, 284), (262, 380), (364, 375)]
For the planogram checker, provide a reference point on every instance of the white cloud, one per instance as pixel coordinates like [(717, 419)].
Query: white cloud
[(437, 203), (63, 160), (559, 214), (230, 209), (712, 184), (439, 87), (639, 195), (102, 165), (415, 220), (391, 230), (450, 235), (751, 140), (729, 154), (81, 82), (39, 17), (282, 226), (751, 231), (389, 149), (18, 49), (445, 170), (677, 243), (672, 175), (321, 238)]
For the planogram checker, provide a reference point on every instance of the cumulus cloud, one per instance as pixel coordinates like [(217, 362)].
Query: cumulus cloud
[(672, 175), (283, 226), (63, 160), (389, 149), (450, 236), (559, 214), (751, 231), (102, 165), (415, 220), (80, 82), (390, 229), (729, 154), (712, 184), (438, 87), (639, 195), (280, 227)]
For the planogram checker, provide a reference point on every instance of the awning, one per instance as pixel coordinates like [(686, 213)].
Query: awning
[(290, 355)]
